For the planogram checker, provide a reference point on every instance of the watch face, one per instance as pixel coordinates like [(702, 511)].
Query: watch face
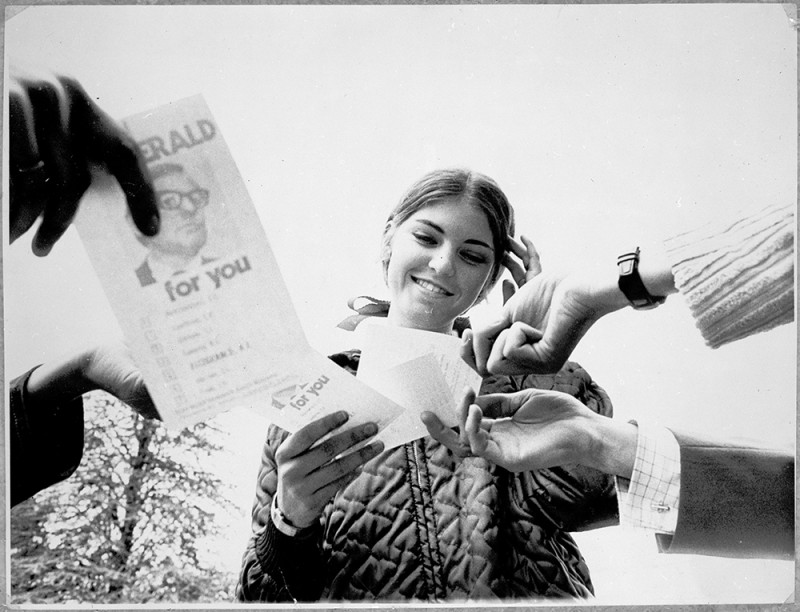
[(626, 267)]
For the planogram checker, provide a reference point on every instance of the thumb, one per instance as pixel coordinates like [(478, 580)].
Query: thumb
[(499, 405), (483, 339), (520, 335), (508, 290), (144, 405), (466, 349)]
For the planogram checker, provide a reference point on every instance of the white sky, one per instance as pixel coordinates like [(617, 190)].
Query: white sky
[(607, 126)]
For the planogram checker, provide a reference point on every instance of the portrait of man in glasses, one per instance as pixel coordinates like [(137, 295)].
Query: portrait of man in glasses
[(178, 246)]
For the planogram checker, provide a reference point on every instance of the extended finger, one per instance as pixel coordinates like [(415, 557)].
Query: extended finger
[(344, 468), (321, 496), (519, 249), (444, 435), (462, 409), (517, 271), (144, 405), (27, 184), (496, 354), (467, 354), (330, 488), (110, 145), (533, 262), (509, 289), (23, 149), (64, 160), (305, 437), (477, 434), (330, 448)]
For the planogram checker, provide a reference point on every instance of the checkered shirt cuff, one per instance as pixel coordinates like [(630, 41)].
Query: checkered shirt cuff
[(650, 498)]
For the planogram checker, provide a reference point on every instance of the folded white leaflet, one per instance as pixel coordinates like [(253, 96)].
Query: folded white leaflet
[(203, 304)]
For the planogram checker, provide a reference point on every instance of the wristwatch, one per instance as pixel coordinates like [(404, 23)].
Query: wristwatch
[(630, 283), (282, 523)]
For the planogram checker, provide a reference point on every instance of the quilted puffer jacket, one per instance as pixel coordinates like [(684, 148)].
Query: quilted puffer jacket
[(421, 524)]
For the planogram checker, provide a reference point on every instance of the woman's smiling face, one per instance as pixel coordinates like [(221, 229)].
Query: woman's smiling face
[(441, 258)]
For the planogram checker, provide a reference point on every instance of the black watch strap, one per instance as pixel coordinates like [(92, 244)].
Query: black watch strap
[(630, 283)]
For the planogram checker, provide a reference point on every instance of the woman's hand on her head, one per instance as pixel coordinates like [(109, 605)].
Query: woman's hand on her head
[(528, 266), (475, 348), (310, 472)]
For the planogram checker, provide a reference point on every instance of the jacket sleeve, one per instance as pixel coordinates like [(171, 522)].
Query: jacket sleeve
[(736, 500), (737, 274), (276, 567), (46, 442), (569, 497)]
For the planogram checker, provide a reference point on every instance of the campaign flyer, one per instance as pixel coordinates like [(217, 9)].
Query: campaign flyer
[(203, 304)]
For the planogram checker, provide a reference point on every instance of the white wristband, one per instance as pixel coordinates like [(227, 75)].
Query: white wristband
[(281, 522)]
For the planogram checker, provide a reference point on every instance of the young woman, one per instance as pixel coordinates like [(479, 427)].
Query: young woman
[(418, 521)]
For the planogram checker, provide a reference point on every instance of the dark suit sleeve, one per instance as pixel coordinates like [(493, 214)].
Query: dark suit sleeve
[(46, 441), (735, 500)]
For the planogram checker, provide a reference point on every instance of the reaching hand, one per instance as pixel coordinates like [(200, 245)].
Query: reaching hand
[(57, 136), (545, 429), (111, 368), (537, 429), (529, 268), (538, 328), (310, 473)]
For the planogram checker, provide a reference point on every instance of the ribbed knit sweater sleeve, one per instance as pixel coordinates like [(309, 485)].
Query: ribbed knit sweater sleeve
[(737, 276)]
